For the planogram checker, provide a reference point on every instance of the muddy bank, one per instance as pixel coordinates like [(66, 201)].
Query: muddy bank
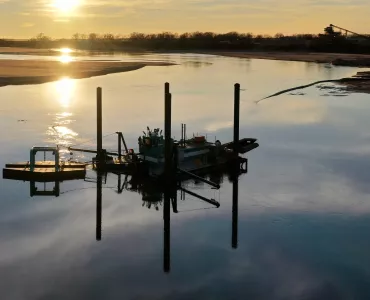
[(20, 72), (352, 62), (340, 59), (360, 83)]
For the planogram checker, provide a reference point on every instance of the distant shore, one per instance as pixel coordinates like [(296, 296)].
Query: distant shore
[(22, 72), (27, 51), (360, 83), (340, 59)]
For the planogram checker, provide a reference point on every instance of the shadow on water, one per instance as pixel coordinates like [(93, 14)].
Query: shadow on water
[(154, 196)]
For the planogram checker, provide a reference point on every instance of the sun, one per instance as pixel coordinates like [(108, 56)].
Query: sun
[(66, 6)]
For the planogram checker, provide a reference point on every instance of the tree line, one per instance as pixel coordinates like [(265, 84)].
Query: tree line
[(164, 41)]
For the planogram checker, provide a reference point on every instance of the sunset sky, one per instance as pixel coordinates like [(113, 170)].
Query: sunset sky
[(62, 18)]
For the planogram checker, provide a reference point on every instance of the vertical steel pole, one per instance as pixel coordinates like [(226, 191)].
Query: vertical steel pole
[(99, 129), (167, 173), (167, 138), (236, 117), (234, 241), (119, 146), (166, 88), (182, 135)]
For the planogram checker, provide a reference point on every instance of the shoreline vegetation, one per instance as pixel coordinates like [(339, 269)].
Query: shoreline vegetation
[(329, 47), (329, 41), (24, 72)]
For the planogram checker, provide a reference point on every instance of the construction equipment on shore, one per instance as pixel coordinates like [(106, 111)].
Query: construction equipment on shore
[(330, 31)]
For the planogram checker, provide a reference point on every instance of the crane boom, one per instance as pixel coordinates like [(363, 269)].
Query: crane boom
[(346, 30)]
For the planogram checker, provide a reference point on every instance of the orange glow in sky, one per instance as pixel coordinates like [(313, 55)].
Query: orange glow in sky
[(63, 18)]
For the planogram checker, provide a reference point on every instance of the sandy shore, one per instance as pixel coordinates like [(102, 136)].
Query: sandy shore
[(335, 58), (19, 72)]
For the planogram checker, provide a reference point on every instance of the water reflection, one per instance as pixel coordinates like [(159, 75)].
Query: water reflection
[(197, 64), (65, 56), (303, 215), (153, 196), (64, 89), (60, 133), (65, 50), (45, 190)]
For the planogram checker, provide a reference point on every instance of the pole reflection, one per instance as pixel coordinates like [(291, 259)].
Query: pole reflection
[(167, 232), (234, 238), (152, 196), (99, 196)]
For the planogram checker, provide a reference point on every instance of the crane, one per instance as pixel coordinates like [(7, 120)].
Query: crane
[(330, 30)]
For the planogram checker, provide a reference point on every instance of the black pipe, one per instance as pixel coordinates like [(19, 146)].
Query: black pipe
[(210, 201), (215, 185), (91, 151), (236, 117)]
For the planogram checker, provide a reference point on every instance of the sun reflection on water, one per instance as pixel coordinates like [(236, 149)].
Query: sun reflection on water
[(65, 50), (64, 89), (65, 55), (65, 58), (64, 132), (61, 135)]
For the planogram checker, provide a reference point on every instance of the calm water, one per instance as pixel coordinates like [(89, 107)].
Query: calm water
[(304, 206)]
